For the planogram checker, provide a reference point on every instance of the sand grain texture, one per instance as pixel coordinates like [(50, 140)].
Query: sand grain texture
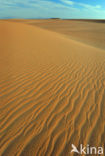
[(52, 92)]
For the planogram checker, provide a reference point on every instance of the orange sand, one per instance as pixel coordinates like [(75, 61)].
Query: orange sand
[(52, 92)]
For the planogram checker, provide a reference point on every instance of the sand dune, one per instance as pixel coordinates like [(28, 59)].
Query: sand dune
[(52, 92), (90, 32)]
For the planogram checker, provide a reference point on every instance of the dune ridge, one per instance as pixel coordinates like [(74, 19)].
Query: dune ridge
[(52, 92)]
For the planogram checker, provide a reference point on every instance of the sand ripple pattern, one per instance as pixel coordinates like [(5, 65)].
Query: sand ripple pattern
[(44, 110)]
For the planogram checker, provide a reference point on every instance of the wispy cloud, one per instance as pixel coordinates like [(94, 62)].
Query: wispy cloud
[(68, 2), (89, 6), (49, 8)]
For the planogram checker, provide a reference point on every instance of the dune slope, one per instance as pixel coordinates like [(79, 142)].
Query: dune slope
[(52, 92)]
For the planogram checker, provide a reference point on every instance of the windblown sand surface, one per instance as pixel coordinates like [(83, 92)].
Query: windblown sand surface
[(52, 92), (91, 32)]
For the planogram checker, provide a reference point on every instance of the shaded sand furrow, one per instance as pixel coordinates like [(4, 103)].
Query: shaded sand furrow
[(61, 112), (21, 138), (58, 108), (58, 128), (69, 104), (74, 95), (23, 106), (22, 93), (12, 135), (17, 77), (16, 95), (85, 124), (17, 80), (38, 86), (88, 126), (78, 110), (59, 144), (9, 77), (44, 146), (18, 86), (33, 77), (26, 94), (25, 83), (50, 130), (96, 133), (54, 136), (74, 133), (52, 99), (25, 127), (17, 113)]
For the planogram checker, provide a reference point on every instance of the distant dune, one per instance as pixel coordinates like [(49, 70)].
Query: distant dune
[(91, 32), (52, 88)]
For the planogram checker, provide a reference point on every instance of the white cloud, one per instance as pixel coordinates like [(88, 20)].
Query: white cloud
[(47, 9), (89, 6), (98, 6), (68, 2)]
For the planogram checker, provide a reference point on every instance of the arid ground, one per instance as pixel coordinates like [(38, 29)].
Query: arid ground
[(52, 86)]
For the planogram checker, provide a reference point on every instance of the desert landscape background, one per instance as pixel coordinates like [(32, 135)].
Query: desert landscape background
[(52, 86)]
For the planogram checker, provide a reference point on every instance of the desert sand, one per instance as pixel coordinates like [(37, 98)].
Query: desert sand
[(52, 90), (91, 32)]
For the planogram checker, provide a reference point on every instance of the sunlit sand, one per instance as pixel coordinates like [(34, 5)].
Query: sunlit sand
[(52, 87)]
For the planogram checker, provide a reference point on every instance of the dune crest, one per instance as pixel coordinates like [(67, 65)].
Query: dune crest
[(52, 92)]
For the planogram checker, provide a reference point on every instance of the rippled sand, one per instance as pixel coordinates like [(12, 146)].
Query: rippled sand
[(52, 92)]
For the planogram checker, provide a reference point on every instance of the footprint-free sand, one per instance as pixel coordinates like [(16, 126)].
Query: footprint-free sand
[(52, 90)]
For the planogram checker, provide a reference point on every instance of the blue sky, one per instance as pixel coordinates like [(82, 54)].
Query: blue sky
[(52, 9)]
